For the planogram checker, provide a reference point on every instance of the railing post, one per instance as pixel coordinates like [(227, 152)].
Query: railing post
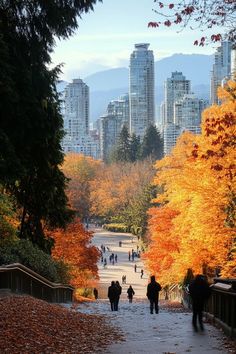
[(233, 322)]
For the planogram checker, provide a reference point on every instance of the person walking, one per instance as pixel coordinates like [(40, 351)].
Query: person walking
[(199, 291), (141, 274), (119, 290), (135, 267), (112, 295), (130, 293), (95, 293), (153, 289)]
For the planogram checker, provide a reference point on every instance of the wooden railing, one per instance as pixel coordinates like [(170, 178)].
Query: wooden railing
[(20, 279), (221, 308)]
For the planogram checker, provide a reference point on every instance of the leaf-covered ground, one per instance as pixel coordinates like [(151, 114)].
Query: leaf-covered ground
[(31, 326)]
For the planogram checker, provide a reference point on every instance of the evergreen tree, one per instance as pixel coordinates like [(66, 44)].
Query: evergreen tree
[(122, 150), (135, 147), (152, 145), (31, 127)]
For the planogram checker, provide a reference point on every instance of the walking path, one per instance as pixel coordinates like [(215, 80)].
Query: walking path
[(168, 332)]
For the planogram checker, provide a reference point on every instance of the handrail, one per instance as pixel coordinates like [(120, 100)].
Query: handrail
[(220, 308), (34, 275), (19, 279)]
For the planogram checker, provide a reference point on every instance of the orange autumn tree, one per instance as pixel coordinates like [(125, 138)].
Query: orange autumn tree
[(73, 247), (117, 185), (199, 185), (80, 170)]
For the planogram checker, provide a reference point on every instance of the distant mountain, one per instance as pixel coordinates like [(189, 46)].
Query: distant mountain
[(195, 67), (109, 84), (108, 80)]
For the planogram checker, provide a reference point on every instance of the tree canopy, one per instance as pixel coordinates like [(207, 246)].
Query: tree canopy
[(31, 127), (195, 225), (203, 14)]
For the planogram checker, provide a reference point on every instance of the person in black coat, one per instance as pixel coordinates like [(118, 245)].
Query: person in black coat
[(199, 291), (95, 293), (113, 293), (119, 291), (153, 289), (130, 293)]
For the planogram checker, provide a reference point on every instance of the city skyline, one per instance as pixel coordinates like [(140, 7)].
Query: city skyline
[(106, 36)]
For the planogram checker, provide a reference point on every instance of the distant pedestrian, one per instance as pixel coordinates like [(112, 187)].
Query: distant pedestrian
[(95, 293), (105, 262), (135, 267), (141, 276), (153, 289), (129, 254), (130, 293), (116, 258), (112, 295), (124, 279), (119, 288), (120, 243), (199, 291)]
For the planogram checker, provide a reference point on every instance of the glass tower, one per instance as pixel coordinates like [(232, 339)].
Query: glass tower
[(141, 89)]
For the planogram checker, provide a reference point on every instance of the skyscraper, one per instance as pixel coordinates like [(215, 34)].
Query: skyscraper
[(233, 63), (188, 111), (141, 89), (76, 120), (175, 88), (112, 122), (221, 69), (76, 114)]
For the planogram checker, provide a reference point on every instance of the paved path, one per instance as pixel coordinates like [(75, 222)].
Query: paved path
[(123, 265), (168, 332)]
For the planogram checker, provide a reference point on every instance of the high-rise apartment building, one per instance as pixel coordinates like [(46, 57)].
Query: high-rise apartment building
[(111, 123), (76, 114), (175, 88), (221, 69), (233, 63), (187, 112), (141, 89), (76, 120)]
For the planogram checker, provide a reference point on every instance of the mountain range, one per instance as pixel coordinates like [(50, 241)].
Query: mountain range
[(109, 84)]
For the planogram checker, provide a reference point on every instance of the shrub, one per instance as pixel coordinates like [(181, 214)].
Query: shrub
[(116, 227), (24, 252)]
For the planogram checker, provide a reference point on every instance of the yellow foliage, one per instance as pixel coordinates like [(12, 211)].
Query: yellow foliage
[(199, 185)]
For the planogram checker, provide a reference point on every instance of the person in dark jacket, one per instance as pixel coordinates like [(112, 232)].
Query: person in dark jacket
[(199, 291), (153, 289), (113, 293), (119, 290), (130, 293), (95, 293)]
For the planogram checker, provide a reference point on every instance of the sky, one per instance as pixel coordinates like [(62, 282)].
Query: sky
[(106, 37)]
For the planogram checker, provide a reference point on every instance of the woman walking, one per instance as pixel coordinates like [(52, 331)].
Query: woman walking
[(130, 293)]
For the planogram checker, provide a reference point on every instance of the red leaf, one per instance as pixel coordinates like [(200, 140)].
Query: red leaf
[(167, 23)]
